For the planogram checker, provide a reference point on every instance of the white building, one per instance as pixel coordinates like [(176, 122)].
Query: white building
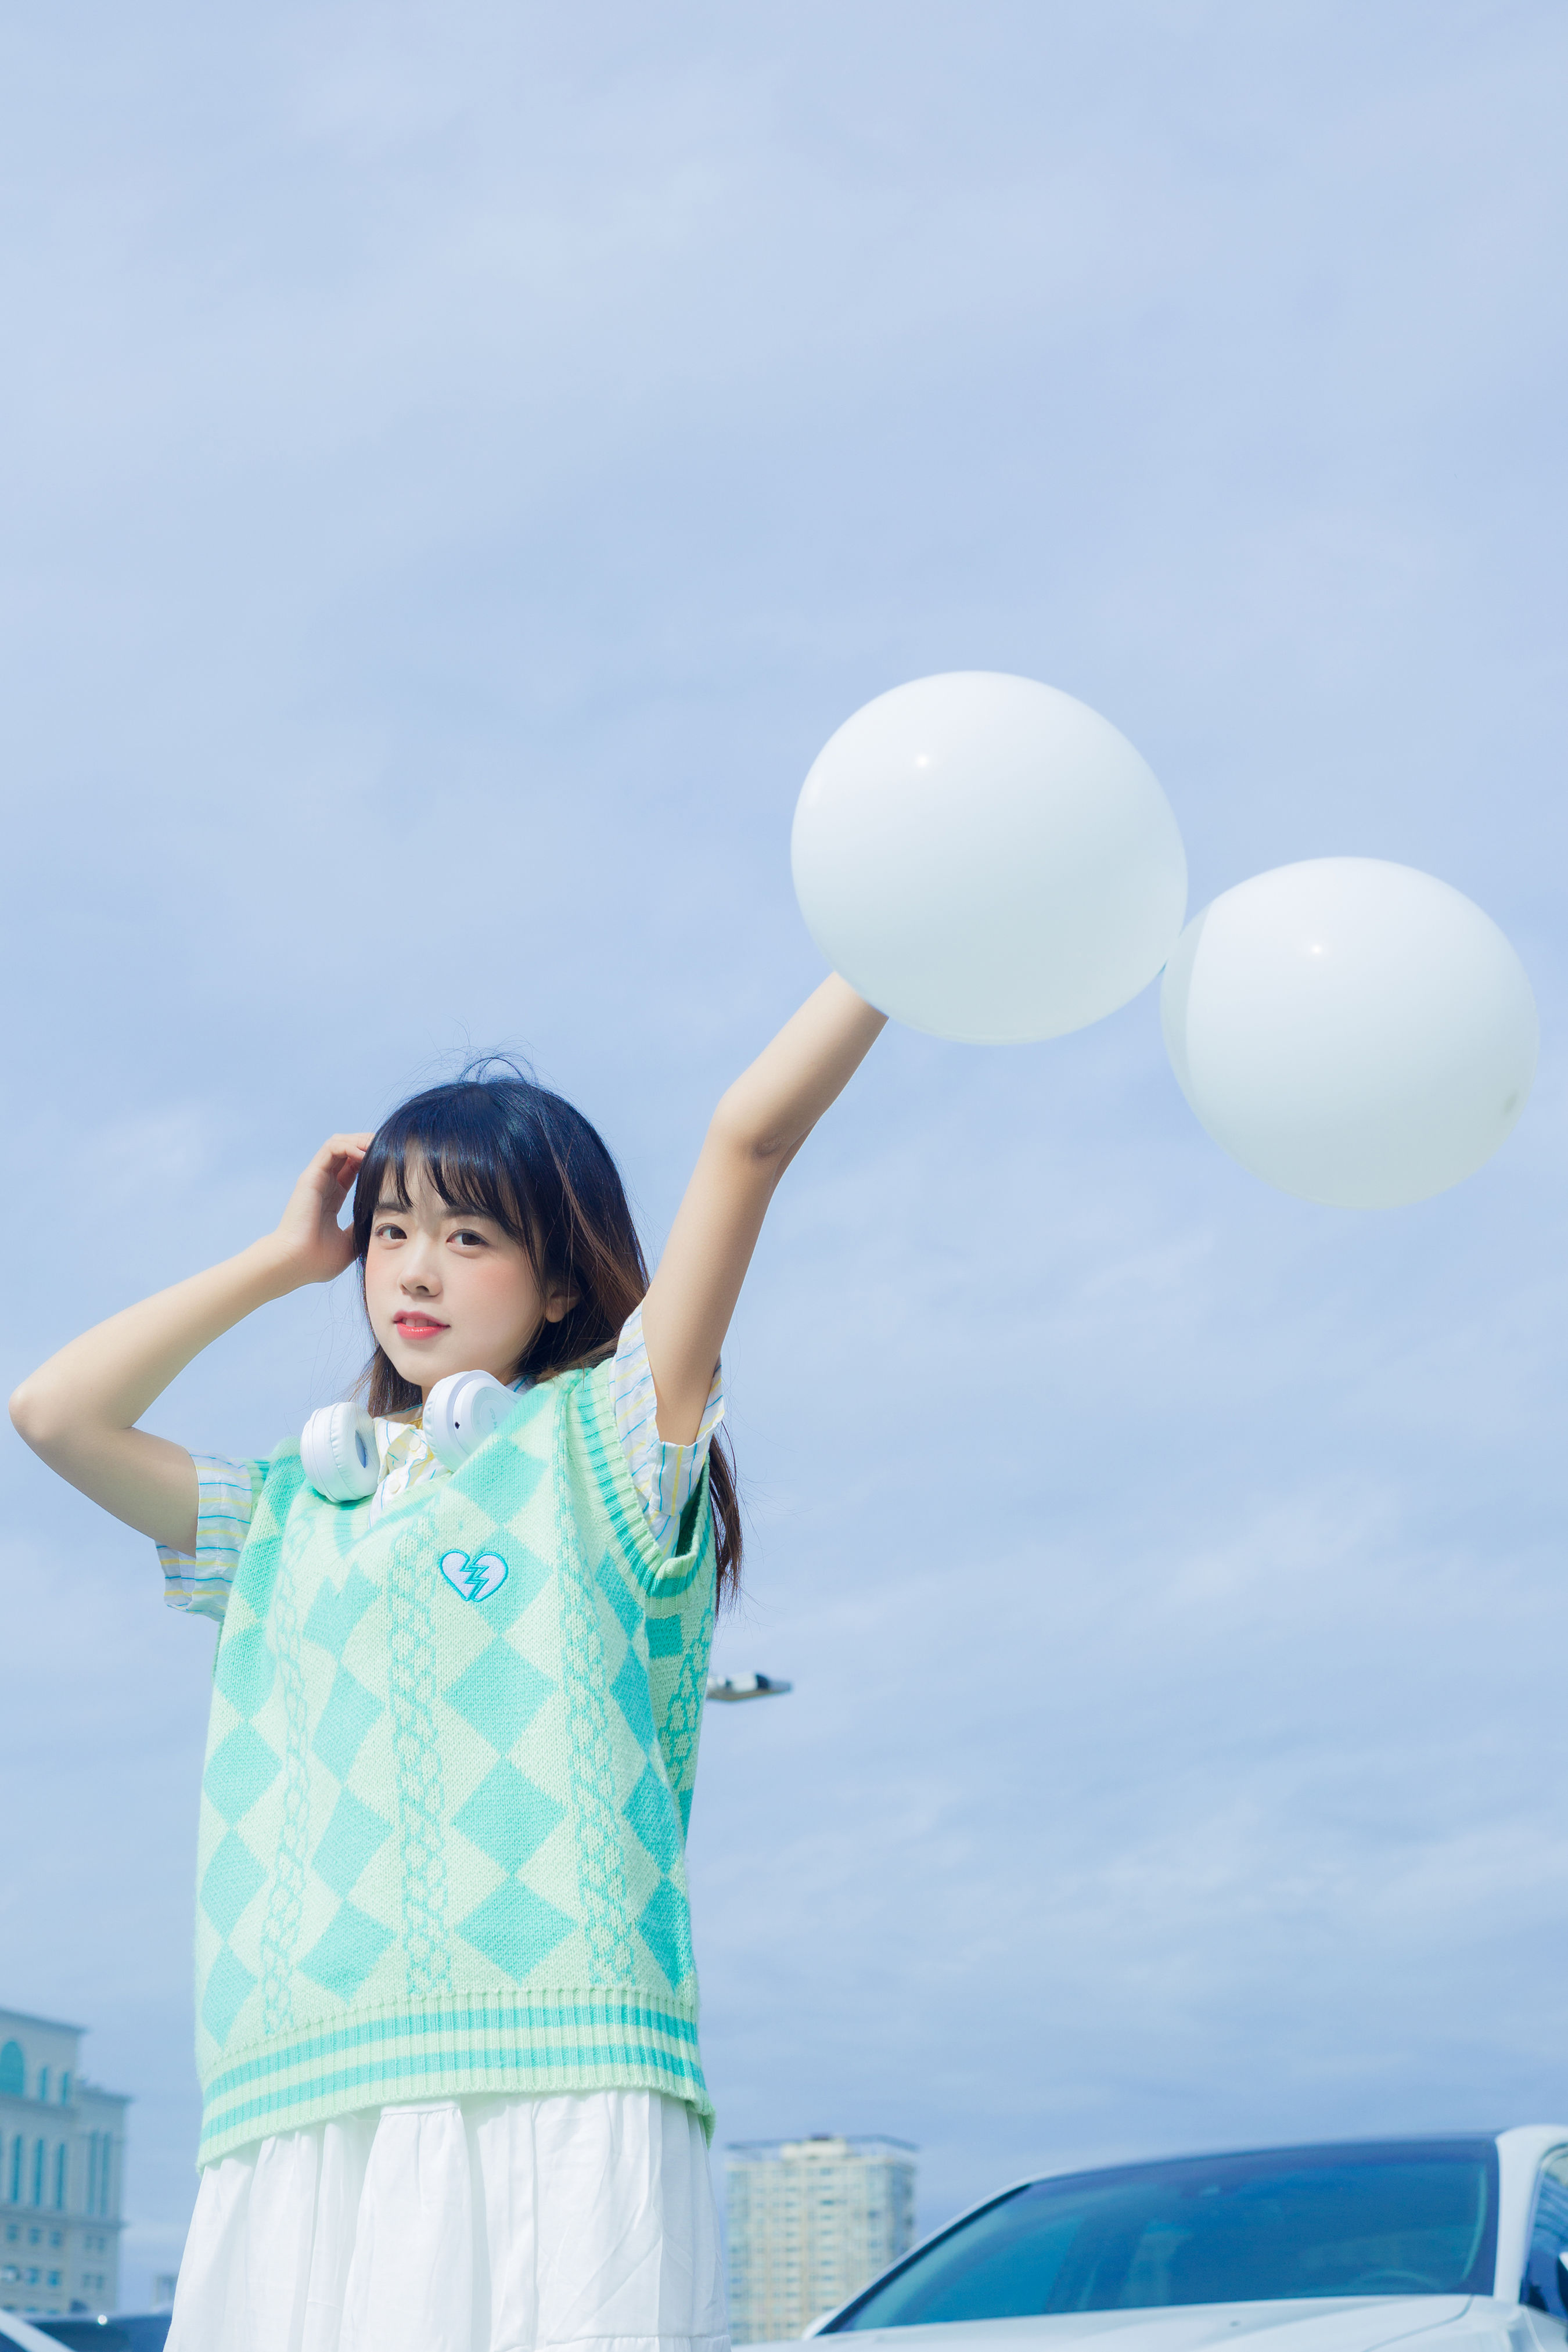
[(810, 2222), (62, 2146)]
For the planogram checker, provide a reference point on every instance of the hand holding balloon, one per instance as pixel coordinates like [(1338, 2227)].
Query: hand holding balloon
[(987, 859)]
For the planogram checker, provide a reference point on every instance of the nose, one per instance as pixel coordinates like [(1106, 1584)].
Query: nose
[(420, 1273)]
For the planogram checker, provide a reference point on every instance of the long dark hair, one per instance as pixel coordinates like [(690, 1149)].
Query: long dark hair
[(513, 1151)]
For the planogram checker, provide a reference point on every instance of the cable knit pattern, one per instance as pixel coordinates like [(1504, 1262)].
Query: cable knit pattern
[(421, 1794)]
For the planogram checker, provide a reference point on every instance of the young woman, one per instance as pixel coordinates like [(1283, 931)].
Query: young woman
[(453, 2100)]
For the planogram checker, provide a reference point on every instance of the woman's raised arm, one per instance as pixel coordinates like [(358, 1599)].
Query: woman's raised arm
[(78, 1412), (758, 1127)]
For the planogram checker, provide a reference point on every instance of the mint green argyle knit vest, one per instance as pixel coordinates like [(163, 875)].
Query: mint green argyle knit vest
[(448, 1773)]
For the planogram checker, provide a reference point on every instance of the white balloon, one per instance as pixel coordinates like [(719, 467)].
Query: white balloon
[(1354, 1031), (987, 859)]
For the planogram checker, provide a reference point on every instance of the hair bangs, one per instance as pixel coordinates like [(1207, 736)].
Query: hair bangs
[(459, 1158)]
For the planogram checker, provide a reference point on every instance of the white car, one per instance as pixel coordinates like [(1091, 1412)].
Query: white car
[(1335, 2248)]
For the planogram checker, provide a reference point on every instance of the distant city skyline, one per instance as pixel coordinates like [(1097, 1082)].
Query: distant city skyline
[(808, 2223), (62, 2142)]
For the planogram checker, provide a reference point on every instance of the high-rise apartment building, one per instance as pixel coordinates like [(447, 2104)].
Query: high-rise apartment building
[(61, 2153), (810, 2222)]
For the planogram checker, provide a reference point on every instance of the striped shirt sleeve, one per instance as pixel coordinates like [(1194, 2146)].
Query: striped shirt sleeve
[(665, 1476), (226, 1495)]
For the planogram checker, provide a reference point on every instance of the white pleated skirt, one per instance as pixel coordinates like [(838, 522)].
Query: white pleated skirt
[(580, 2223)]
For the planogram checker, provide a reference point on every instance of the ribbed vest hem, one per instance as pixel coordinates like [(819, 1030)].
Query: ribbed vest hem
[(516, 2045)]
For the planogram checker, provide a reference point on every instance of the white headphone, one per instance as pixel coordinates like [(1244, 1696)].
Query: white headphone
[(337, 1446), (461, 1411)]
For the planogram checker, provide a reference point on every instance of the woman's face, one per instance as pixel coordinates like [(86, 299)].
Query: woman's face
[(449, 1290)]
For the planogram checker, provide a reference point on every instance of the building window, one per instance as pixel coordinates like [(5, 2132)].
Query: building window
[(37, 2172), (54, 2278), (17, 2169), (43, 2083), (13, 2071), (65, 2089), (92, 2172), (103, 2174), (60, 2177)]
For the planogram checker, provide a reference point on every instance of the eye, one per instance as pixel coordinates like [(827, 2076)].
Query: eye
[(386, 1229), (469, 1238)]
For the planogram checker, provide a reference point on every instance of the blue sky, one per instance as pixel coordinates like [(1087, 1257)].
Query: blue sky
[(459, 466)]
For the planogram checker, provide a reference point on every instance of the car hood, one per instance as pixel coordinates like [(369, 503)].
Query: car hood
[(1351, 2325)]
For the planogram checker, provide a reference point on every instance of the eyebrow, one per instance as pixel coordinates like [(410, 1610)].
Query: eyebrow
[(405, 1209)]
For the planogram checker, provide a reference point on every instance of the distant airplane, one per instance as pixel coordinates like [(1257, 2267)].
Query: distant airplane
[(739, 1686)]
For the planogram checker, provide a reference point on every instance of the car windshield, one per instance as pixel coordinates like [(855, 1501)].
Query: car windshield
[(1411, 2217), (140, 2332)]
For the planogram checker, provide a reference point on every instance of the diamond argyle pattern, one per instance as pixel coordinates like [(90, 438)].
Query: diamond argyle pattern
[(334, 1613), (348, 1715), (664, 1927), (650, 1808), (230, 1879), (500, 1694), (352, 1838), (345, 1952), (666, 1637), (229, 1987), (507, 1817), (239, 1771), (244, 1671), (342, 1942), (442, 1841), (515, 1928), (238, 1835), (678, 1633), (631, 1696)]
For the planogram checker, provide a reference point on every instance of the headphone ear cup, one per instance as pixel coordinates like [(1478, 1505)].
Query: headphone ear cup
[(337, 1448), (461, 1411)]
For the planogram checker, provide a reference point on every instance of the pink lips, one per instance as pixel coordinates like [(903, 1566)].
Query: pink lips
[(417, 1326)]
